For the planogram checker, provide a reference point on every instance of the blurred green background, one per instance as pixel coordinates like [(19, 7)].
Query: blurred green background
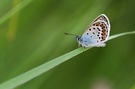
[(35, 35)]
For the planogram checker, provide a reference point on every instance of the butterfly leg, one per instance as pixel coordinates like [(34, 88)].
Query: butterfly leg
[(78, 45)]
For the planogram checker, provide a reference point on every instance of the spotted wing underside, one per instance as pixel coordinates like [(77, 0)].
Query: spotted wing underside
[(99, 29)]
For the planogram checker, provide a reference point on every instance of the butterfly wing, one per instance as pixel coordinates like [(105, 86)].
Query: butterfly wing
[(98, 31)]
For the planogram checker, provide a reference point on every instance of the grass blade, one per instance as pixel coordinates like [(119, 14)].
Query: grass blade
[(27, 76), (121, 34)]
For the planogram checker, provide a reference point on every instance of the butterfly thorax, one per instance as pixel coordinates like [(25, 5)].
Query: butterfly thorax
[(80, 41)]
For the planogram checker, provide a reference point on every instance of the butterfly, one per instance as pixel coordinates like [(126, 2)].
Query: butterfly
[(96, 34)]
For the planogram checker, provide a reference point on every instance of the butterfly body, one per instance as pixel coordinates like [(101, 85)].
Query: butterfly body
[(96, 34)]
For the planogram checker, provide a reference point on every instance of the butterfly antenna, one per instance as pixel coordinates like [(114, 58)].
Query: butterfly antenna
[(70, 34)]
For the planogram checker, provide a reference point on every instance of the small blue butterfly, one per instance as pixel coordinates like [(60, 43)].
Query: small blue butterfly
[(96, 34)]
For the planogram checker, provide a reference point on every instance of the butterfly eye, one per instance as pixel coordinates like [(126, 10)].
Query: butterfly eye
[(78, 38)]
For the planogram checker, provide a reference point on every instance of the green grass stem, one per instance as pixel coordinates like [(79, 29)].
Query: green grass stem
[(27, 76)]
